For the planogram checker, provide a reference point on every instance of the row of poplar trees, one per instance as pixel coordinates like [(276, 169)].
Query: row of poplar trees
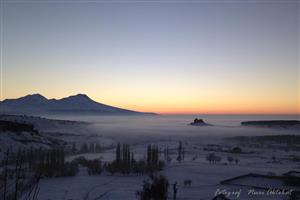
[(47, 162), (126, 163)]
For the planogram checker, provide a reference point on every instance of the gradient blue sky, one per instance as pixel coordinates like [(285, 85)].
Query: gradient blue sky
[(159, 56)]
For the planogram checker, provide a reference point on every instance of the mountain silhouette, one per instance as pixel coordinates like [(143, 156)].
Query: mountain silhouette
[(76, 104)]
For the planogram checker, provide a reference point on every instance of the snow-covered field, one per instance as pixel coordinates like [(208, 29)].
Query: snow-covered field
[(167, 132), (205, 178)]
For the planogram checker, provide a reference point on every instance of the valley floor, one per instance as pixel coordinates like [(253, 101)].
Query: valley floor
[(257, 157), (205, 177)]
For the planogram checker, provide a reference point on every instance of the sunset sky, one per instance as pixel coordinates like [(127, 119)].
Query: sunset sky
[(217, 57)]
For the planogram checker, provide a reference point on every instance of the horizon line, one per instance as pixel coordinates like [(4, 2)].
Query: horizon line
[(164, 112), (266, 114)]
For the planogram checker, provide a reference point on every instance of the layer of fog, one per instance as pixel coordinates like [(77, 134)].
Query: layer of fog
[(135, 129)]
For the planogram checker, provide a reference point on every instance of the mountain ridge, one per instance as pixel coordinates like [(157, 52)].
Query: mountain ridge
[(74, 104)]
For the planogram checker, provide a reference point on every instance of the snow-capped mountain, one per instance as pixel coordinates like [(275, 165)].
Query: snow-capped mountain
[(38, 104)]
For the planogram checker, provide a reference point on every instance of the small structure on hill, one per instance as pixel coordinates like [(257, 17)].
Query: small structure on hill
[(199, 122)]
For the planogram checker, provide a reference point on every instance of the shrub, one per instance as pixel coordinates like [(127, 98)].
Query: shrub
[(81, 160), (230, 159), (236, 150), (112, 167), (70, 169), (155, 188), (94, 167), (210, 157)]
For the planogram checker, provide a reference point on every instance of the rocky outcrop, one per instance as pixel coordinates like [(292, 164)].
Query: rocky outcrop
[(199, 122)]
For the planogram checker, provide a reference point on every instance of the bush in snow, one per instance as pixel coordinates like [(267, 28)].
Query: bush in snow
[(237, 161), (112, 167), (236, 150), (212, 158), (230, 159), (155, 188), (94, 167)]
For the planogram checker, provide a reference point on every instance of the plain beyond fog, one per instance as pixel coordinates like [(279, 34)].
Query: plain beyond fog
[(160, 127)]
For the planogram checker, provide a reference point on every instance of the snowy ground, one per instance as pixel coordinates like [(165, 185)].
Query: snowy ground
[(51, 132), (166, 132), (205, 177)]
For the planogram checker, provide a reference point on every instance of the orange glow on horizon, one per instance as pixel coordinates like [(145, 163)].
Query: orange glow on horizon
[(181, 58), (216, 109), (236, 111), (228, 113), (174, 104)]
